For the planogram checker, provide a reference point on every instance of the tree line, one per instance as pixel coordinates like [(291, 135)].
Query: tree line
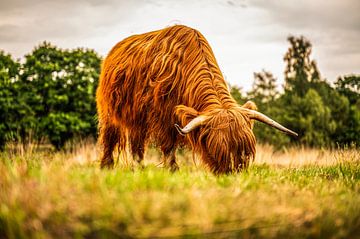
[(324, 115), (50, 98)]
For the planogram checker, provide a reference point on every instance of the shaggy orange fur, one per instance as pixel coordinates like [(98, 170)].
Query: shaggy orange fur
[(151, 81)]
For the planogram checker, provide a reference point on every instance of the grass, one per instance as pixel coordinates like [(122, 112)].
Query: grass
[(291, 194)]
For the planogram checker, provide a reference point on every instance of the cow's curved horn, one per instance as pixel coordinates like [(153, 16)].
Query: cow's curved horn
[(193, 124), (253, 114)]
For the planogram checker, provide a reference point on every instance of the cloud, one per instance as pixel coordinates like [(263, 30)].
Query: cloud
[(246, 35), (315, 14)]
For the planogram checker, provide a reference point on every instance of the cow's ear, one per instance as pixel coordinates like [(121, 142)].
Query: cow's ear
[(185, 114), (250, 105)]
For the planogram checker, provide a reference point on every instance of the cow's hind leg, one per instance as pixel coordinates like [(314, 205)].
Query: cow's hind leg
[(109, 137)]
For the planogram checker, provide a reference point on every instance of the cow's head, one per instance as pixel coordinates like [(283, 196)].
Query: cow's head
[(224, 137)]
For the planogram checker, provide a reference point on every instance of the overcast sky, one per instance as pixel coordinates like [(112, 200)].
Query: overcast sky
[(246, 35)]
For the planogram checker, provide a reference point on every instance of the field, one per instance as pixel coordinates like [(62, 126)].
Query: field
[(292, 193)]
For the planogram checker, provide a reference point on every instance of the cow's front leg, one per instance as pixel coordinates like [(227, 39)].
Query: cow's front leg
[(169, 160)]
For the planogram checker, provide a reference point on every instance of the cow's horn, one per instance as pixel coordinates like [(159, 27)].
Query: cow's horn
[(193, 124), (253, 114)]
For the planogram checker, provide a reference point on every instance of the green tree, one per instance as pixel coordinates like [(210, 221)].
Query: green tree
[(303, 81), (300, 70), (60, 86), (348, 131), (235, 91), (264, 91), (349, 86), (17, 116), (265, 95), (9, 70)]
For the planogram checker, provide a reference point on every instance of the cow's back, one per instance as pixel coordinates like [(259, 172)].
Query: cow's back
[(129, 82)]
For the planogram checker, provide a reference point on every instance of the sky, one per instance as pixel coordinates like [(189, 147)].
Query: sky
[(245, 35)]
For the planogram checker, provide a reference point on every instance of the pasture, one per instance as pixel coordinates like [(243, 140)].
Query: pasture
[(292, 193)]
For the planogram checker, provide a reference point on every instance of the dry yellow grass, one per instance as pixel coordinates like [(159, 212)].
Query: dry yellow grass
[(301, 156), (294, 193), (87, 152)]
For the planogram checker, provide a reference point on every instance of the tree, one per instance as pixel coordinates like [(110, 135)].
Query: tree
[(305, 89), (264, 93), (235, 91), (349, 88), (9, 70), (264, 90), (15, 113), (312, 118), (300, 70), (60, 86)]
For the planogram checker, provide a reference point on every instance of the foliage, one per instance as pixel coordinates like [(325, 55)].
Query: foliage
[(300, 70), (264, 89), (12, 108), (264, 93), (349, 86), (236, 93), (57, 92), (321, 114)]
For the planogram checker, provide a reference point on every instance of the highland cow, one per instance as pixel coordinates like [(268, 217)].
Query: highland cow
[(166, 87)]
